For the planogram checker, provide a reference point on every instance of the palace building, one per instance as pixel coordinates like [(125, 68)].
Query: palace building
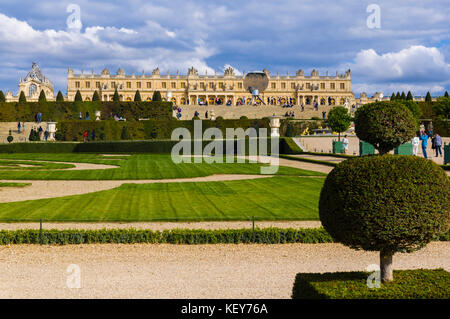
[(223, 89), (32, 85)]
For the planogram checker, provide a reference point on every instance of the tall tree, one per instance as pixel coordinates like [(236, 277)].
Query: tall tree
[(446, 94), (409, 97), (2, 96), (428, 97), (393, 96), (59, 97), (137, 96), (42, 97), (116, 97), (22, 98), (78, 97), (156, 96), (95, 97), (403, 96), (398, 96), (339, 120)]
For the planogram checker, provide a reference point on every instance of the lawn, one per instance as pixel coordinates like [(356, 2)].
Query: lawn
[(138, 166), (273, 198), (14, 184)]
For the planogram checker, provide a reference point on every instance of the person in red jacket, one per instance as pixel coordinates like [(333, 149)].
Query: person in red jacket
[(85, 136)]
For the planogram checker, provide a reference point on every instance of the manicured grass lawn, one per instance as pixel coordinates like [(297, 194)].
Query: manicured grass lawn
[(139, 166), (407, 284), (14, 185), (31, 165), (275, 198)]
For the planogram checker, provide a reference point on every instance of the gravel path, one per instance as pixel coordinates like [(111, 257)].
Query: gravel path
[(183, 271), (50, 189), (164, 225), (78, 166)]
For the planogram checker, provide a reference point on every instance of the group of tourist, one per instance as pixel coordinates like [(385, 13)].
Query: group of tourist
[(87, 116), (38, 117), (424, 136), (289, 114)]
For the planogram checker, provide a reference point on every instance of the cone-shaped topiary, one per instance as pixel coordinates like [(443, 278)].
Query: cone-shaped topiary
[(95, 96), (428, 97), (137, 96), (78, 97), (385, 125), (156, 96), (403, 96), (409, 96), (59, 97), (446, 94), (393, 96), (388, 203), (42, 97), (22, 98), (2, 96), (116, 97)]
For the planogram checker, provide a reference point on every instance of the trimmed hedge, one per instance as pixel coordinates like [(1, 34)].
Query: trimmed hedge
[(408, 284), (288, 146), (176, 236), (308, 160)]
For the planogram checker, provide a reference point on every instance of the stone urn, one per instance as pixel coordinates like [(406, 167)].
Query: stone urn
[(274, 126), (98, 114), (51, 128)]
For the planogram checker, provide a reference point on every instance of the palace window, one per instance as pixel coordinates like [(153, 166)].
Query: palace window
[(32, 89), (113, 85), (138, 85), (163, 85), (183, 85), (221, 85), (211, 85), (332, 86), (342, 86), (97, 85), (128, 85), (87, 84), (322, 86), (308, 85), (239, 85), (174, 85), (77, 84), (273, 86), (149, 85), (293, 86), (283, 85), (202, 85)]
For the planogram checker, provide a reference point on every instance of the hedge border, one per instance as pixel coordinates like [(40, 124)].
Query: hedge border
[(309, 160), (175, 236)]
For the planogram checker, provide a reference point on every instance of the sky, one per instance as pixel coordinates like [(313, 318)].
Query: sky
[(404, 47)]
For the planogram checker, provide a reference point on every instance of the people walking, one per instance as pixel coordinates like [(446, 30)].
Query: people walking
[(85, 136), (345, 143), (18, 127), (438, 144), (424, 138), (415, 143)]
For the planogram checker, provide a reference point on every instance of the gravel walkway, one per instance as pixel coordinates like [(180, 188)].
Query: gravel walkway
[(182, 271), (49, 189), (164, 225)]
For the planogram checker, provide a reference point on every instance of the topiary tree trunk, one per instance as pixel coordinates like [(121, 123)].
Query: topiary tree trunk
[(386, 266)]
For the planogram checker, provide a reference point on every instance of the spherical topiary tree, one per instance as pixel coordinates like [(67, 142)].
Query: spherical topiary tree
[(386, 203), (385, 125), (339, 120)]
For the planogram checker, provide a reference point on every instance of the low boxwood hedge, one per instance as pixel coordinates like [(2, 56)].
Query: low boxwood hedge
[(408, 284), (175, 236)]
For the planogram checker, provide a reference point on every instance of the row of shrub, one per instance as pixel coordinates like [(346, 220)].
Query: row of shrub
[(175, 236), (62, 111), (149, 146)]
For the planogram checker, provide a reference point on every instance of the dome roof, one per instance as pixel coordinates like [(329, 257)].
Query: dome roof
[(35, 74)]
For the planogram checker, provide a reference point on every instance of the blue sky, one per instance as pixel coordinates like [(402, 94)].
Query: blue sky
[(410, 51)]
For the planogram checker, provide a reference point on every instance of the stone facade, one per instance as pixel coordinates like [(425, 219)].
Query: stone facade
[(32, 85), (214, 89)]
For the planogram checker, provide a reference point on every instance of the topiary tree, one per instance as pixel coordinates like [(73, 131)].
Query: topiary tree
[(22, 98), (409, 96), (398, 96), (116, 97), (385, 125), (385, 203), (137, 96), (2, 97), (10, 138), (59, 97), (78, 97), (446, 94), (95, 96), (393, 96), (403, 96), (339, 120), (156, 96), (42, 97), (428, 97)]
